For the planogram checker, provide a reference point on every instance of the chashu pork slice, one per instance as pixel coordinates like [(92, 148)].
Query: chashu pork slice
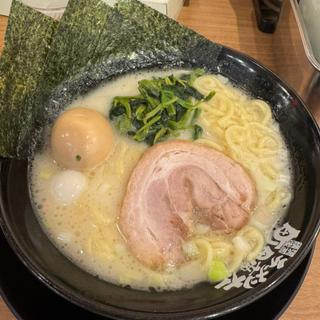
[(175, 185)]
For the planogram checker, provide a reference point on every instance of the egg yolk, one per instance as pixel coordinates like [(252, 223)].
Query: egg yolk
[(81, 139)]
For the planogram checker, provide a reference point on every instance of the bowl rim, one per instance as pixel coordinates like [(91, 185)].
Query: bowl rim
[(207, 312), (306, 263)]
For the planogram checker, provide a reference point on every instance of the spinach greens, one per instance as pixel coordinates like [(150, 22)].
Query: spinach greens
[(164, 107)]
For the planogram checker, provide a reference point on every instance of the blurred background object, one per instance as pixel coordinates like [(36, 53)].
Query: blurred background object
[(5, 7), (171, 8), (299, 62), (296, 40), (55, 8), (267, 14), (308, 18)]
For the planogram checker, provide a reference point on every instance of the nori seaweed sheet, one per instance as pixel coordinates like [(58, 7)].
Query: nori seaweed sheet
[(28, 37), (90, 32), (76, 40), (155, 25), (165, 33), (124, 37), (120, 37)]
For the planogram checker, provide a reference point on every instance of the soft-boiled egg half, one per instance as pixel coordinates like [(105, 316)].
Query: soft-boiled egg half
[(81, 139)]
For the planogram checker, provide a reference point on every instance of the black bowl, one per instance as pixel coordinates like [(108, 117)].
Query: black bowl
[(34, 301), (291, 241)]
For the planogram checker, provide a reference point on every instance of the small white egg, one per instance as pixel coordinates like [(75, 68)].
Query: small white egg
[(67, 186)]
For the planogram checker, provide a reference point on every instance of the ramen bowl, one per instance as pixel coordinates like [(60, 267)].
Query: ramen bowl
[(291, 239)]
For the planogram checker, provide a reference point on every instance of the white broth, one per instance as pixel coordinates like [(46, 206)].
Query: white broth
[(85, 227)]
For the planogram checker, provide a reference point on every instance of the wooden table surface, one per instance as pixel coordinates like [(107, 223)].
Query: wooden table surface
[(232, 23)]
